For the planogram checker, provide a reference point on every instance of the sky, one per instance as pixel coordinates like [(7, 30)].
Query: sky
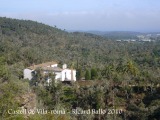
[(88, 15)]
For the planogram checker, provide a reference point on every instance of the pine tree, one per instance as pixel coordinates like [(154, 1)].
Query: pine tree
[(87, 75), (79, 74), (94, 74), (4, 73)]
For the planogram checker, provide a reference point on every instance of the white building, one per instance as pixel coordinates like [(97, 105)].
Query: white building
[(62, 74)]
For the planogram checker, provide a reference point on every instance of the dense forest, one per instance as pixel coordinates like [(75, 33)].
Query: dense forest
[(119, 77)]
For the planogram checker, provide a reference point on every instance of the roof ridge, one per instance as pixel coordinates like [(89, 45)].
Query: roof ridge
[(43, 65)]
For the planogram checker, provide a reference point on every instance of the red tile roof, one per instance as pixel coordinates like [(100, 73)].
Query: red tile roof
[(33, 67)]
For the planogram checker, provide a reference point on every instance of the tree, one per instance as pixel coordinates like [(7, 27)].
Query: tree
[(108, 71), (4, 74), (79, 74), (94, 74), (131, 68), (87, 75)]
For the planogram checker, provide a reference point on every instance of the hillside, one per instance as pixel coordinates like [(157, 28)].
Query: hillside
[(29, 42), (114, 35), (120, 74), (33, 42)]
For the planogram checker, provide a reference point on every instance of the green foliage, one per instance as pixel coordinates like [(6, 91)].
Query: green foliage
[(131, 69), (68, 96), (87, 75), (9, 96), (4, 73), (94, 74), (78, 74)]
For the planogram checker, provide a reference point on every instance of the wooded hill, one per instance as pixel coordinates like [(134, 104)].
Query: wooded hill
[(117, 65), (33, 42), (117, 35)]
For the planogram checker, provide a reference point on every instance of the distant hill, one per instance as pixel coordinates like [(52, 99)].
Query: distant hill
[(116, 34)]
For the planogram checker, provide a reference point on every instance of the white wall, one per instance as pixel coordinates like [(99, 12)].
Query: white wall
[(54, 65), (58, 75), (67, 73), (27, 74), (64, 66), (74, 75)]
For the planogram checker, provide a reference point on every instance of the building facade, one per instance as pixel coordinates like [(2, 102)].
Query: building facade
[(61, 74)]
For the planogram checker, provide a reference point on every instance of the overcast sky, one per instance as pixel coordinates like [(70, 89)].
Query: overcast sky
[(101, 15)]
